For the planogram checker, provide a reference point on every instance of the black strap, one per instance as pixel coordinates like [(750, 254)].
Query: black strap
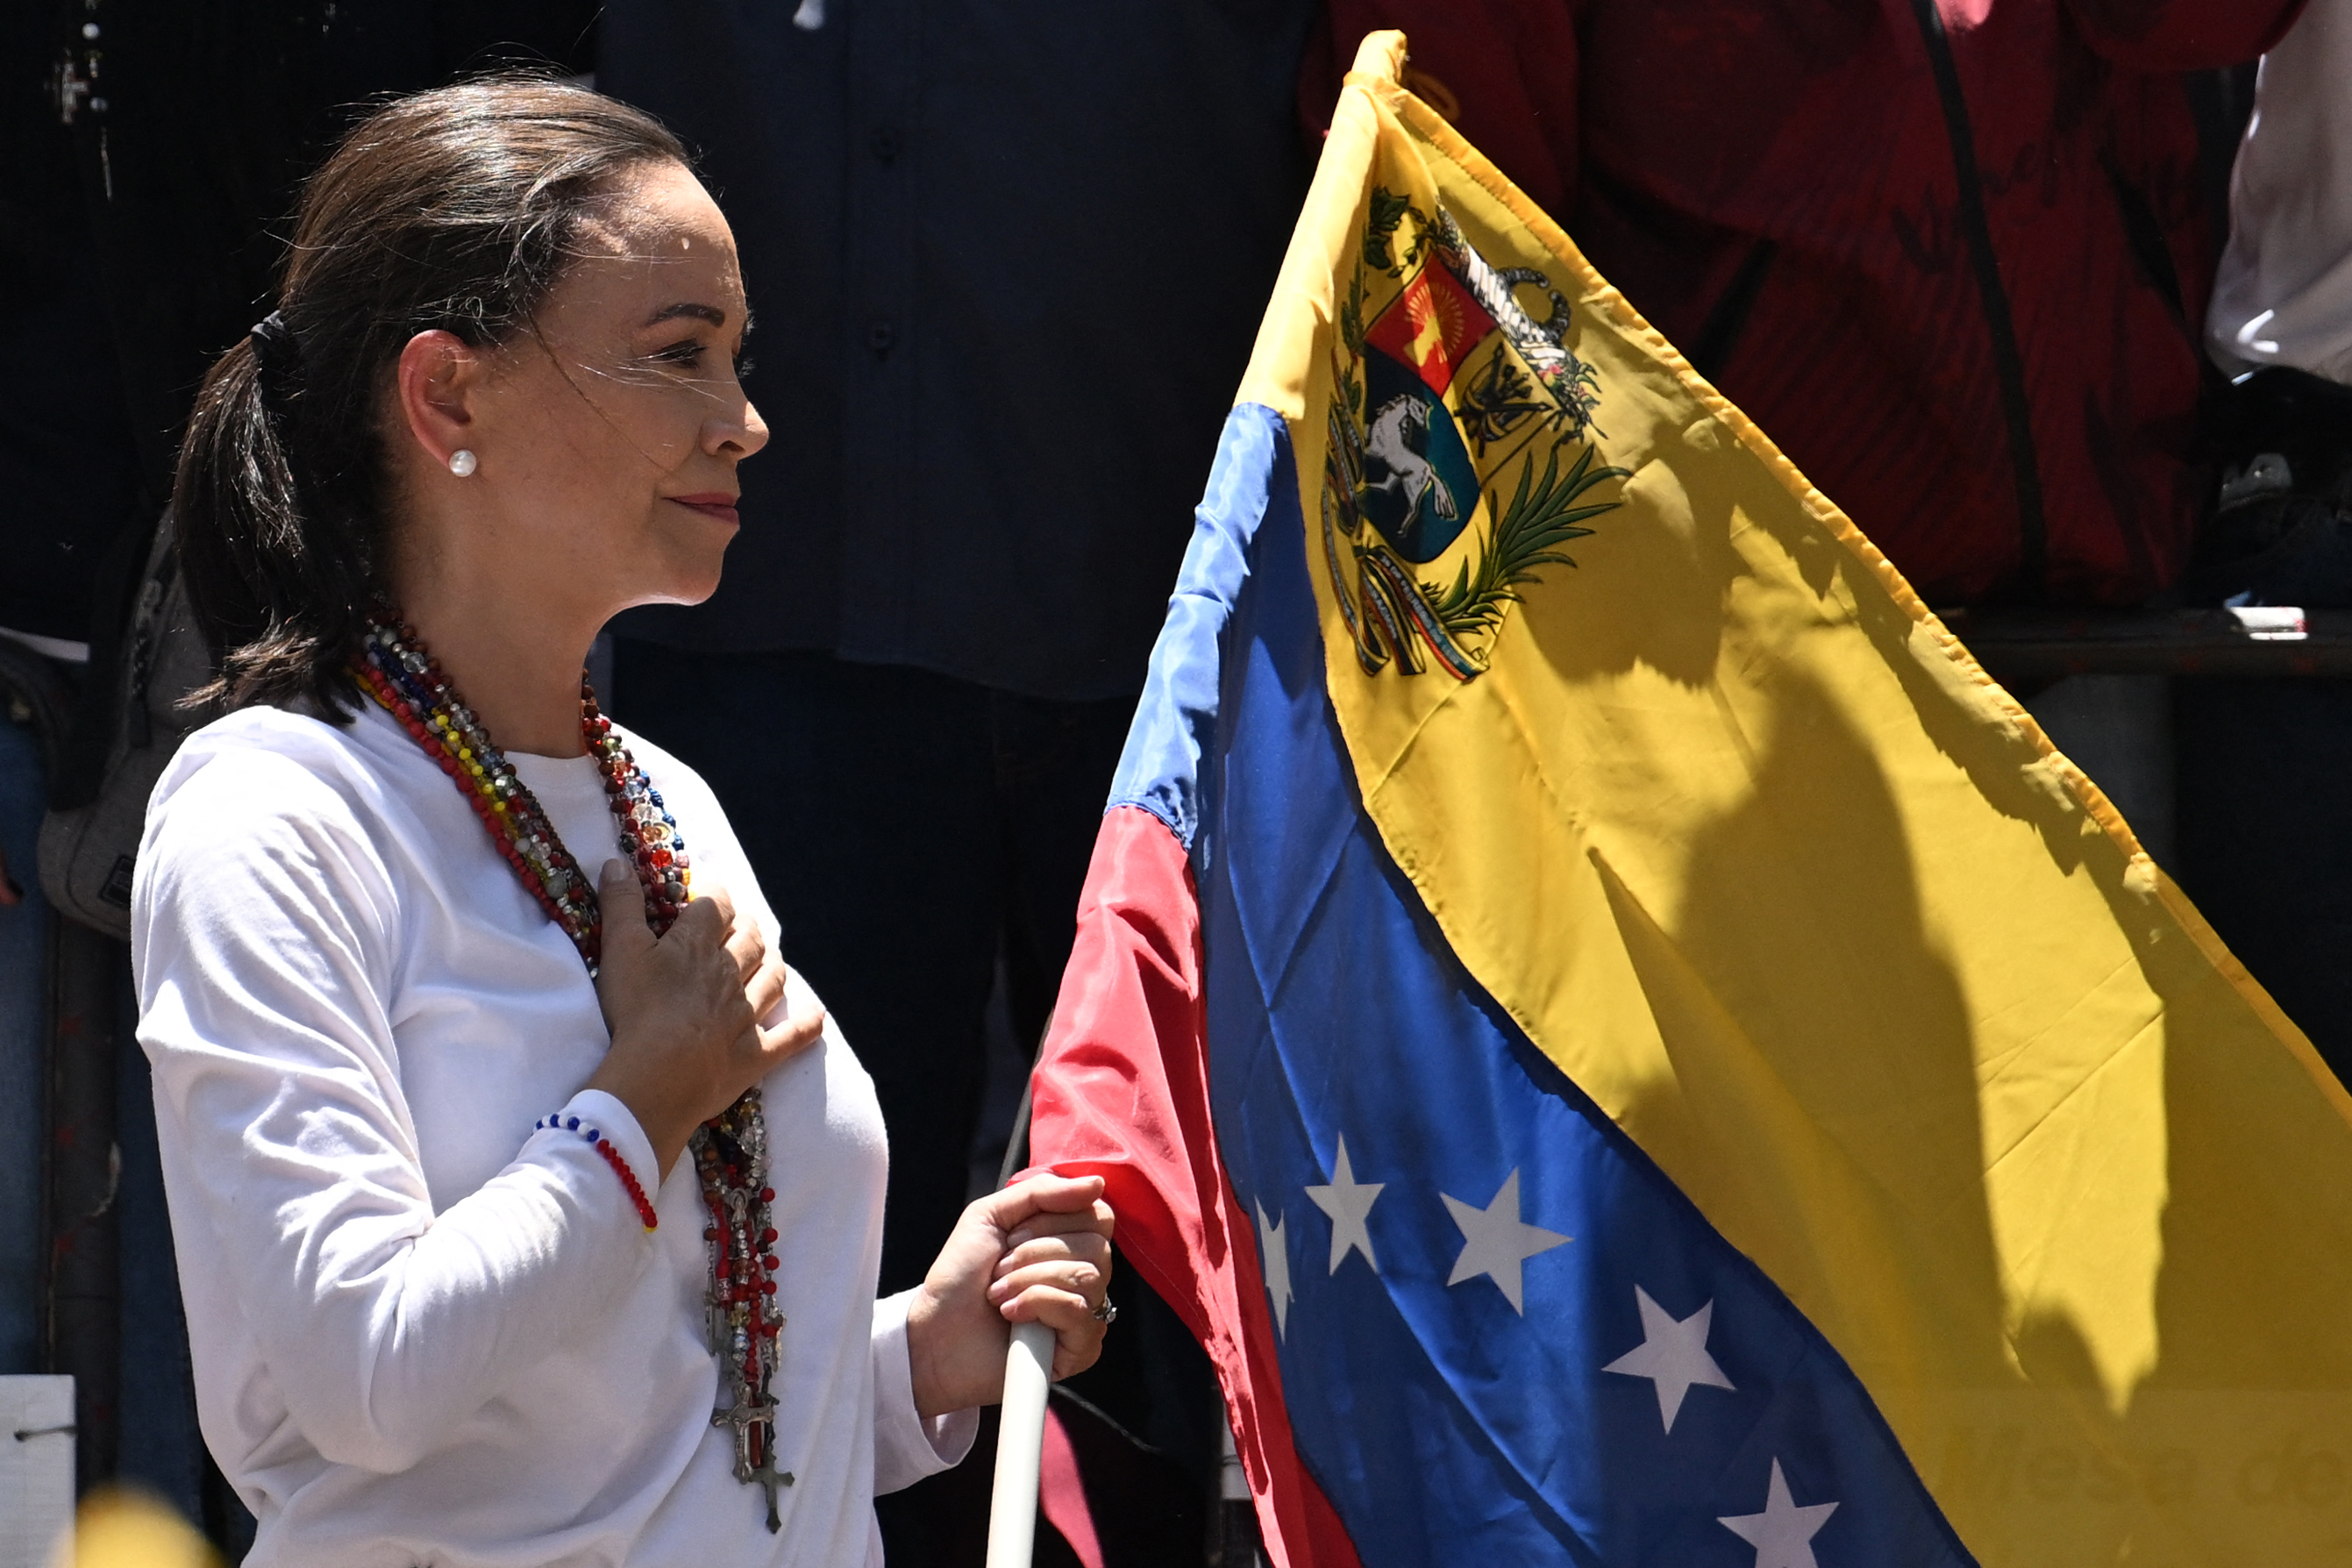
[(2008, 365), (2144, 232), (1720, 334)]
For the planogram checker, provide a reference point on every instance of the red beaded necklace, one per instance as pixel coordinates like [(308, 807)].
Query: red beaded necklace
[(731, 1148)]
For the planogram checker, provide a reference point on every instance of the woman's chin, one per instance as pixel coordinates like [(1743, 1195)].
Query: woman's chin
[(690, 574), (682, 592)]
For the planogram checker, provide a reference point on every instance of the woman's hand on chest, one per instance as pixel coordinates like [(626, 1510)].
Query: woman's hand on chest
[(684, 1011)]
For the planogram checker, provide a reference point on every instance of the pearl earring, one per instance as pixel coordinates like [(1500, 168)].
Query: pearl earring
[(461, 462)]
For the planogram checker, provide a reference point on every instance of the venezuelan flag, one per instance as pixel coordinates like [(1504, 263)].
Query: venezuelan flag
[(1627, 1048)]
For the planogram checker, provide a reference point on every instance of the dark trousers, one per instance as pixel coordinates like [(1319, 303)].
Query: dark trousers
[(907, 828), (2265, 766), (2265, 834)]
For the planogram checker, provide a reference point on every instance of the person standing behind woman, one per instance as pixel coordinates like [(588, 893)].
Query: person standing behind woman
[(520, 1220), (1952, 254), (2265, 842)]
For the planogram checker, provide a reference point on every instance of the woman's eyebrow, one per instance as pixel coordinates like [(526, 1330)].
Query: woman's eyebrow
[(710, 313)]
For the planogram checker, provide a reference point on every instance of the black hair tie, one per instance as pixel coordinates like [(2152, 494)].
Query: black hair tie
[(277, 362)]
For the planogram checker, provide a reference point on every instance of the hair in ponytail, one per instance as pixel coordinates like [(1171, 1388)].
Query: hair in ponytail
[(455, 210)]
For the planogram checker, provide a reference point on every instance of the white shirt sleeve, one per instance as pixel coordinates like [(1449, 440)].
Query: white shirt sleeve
[(2282, 292), (906, 1446), (266, 931)]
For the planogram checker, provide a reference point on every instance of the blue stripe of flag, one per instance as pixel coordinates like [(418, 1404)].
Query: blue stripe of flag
[(1446, 1426)]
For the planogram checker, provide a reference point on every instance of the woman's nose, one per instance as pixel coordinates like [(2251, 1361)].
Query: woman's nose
[(743, 437)]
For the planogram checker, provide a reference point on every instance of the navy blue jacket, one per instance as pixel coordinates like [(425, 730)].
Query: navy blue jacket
[(1005, 264)]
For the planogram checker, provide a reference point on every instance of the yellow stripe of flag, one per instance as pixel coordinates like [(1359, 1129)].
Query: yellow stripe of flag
[(1753, 850)]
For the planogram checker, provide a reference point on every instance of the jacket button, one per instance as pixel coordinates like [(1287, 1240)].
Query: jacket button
[(886, 144), (880, 336)]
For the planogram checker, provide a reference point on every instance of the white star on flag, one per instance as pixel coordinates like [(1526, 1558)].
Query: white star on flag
[(1349, 1202), (1275, 1253), (1783, 1533), (1495, 1243), (1672, 1354)]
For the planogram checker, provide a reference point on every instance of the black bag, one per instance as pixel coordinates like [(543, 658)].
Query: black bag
[(88, 850)]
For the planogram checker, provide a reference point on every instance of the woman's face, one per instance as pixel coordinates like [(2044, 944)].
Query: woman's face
[(607, 440)]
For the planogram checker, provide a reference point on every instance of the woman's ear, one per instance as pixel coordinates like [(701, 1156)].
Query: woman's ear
[(440, 377)]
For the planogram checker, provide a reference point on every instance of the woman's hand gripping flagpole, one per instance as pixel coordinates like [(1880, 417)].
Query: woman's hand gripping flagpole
[(1035, 1257)]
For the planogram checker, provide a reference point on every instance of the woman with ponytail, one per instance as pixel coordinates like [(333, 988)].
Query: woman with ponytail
[(528, 1207)]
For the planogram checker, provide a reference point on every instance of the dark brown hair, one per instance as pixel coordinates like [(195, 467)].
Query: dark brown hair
[(457, 210)]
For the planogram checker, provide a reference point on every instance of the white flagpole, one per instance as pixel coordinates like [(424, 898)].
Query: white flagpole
[(1020, 1445)]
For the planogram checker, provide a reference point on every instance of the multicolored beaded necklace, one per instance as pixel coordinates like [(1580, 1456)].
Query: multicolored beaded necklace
[(731, 1149)]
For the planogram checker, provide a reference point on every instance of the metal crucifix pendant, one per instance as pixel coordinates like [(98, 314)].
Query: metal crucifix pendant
[(770, 1478), (752, 1424)]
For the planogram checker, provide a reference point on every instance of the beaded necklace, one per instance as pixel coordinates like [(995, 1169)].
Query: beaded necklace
[(731, 1149)]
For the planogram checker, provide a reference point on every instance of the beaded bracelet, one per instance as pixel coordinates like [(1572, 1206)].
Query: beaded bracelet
[(612, 1157)]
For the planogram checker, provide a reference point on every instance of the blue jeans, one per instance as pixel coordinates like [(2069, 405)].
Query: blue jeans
[(24, 1093), (153, 1412)]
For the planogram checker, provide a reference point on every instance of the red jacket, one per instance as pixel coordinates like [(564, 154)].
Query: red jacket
[(1951, 255)]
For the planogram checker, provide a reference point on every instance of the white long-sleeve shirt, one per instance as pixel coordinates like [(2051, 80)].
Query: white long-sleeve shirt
[(426, 1335), (2282, 294)]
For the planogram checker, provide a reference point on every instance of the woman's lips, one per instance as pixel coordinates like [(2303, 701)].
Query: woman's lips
[(718, 504)]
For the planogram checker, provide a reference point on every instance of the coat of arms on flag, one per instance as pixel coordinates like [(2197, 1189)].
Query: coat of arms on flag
[(1446, 362), (1626, 1046)]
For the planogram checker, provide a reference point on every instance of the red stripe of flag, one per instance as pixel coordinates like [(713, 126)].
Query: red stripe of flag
[(1108, 1104)]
